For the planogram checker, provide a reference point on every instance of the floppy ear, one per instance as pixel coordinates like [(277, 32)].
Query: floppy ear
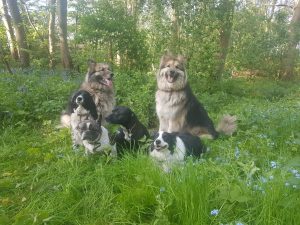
[(73, 104), (92, 65)]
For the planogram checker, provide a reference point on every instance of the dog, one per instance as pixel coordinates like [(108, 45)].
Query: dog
[(170, 148), (99, 83), (95, 138), (178, 109), (131, 130), (82, 107)]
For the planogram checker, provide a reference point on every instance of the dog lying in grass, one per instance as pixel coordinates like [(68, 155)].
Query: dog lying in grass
[(170, 148), (95, 138), (131, 130)]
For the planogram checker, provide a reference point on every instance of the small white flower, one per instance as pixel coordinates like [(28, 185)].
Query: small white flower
[(263, 179), (294, 186), (239, 223), (214, 212), (287, 184), (294, 171), (271, 177)]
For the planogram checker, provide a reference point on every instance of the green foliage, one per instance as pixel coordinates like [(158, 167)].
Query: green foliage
[(251, 177)]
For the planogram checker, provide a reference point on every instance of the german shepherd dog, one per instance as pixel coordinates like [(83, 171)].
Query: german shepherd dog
[(99, 83), (178, 109)]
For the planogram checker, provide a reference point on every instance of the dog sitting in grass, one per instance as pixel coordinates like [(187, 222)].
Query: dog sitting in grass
[(131, 130), (99, 83), (170, 148), (82, 108), (178, 109)]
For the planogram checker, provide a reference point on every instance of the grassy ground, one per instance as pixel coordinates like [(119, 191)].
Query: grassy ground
[(250, 178)]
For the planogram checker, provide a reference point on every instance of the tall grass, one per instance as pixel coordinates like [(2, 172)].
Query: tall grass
[(249, 178)]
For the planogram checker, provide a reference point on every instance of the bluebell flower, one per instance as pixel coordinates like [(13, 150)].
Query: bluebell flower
[(263, 179), (293, 171), (273, 164), (237, 152), (214, 212), (162, 189)]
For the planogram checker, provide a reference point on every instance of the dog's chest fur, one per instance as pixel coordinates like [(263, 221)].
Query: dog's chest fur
[(170, 103)]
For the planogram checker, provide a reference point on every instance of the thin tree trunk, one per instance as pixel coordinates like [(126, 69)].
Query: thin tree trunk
[(226, 20), (62, 26), (9, 29), (20, 33), (288, 71), (3, 59), (51, 32)]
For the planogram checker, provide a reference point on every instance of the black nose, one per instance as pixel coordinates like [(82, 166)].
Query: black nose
[(157, 142), (172, 73), (79, 99)]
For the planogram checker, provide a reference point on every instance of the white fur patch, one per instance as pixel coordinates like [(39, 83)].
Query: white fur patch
[(164, 155)]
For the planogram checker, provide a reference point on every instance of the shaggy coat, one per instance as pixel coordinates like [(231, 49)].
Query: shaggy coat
[(99, 83), (178, 109)]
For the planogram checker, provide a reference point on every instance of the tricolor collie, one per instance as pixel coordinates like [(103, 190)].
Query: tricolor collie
[(94, 138), (178, 109), (170, 148)]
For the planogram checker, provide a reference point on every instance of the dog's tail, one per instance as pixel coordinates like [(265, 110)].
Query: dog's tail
[(65, 120), (227, 125)]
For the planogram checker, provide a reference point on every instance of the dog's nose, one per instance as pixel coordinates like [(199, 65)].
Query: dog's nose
[(79, 99), (172, 73), (157, 142)]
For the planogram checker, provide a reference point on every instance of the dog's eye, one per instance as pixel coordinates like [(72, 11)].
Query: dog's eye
[(168, 65)]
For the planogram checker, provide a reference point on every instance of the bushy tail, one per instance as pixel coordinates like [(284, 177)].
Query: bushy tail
[(65, 120), (227, 125)]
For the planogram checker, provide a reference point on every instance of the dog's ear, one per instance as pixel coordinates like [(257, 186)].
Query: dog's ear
[(92, 65), (182, 59)]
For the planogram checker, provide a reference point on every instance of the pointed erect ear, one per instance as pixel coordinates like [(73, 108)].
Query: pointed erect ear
[(181, 59), (92, 65)]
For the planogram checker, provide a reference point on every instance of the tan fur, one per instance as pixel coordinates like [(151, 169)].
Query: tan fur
[(171, 99), (104, 100), (103, 95), (227, 125)]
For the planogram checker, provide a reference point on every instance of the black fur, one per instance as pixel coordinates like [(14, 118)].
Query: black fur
[(88, 103), (193, 144), (197, 115), (125, 117)]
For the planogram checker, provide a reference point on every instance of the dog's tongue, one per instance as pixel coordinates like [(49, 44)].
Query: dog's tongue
[(109, 83)]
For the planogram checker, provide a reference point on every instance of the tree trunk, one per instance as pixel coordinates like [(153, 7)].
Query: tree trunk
[(62, 26), (20, 33), (3, 59), (51, 32), (288, 71), (226, 19), (9, 30)]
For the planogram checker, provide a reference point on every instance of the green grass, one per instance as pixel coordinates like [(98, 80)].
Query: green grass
[(250, 177)]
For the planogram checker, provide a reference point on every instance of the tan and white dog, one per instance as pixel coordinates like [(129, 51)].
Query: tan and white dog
[(178, 109)]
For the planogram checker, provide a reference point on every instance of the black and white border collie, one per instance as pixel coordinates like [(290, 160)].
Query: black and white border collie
[(170, 148), (131, 130), (82, 107)]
